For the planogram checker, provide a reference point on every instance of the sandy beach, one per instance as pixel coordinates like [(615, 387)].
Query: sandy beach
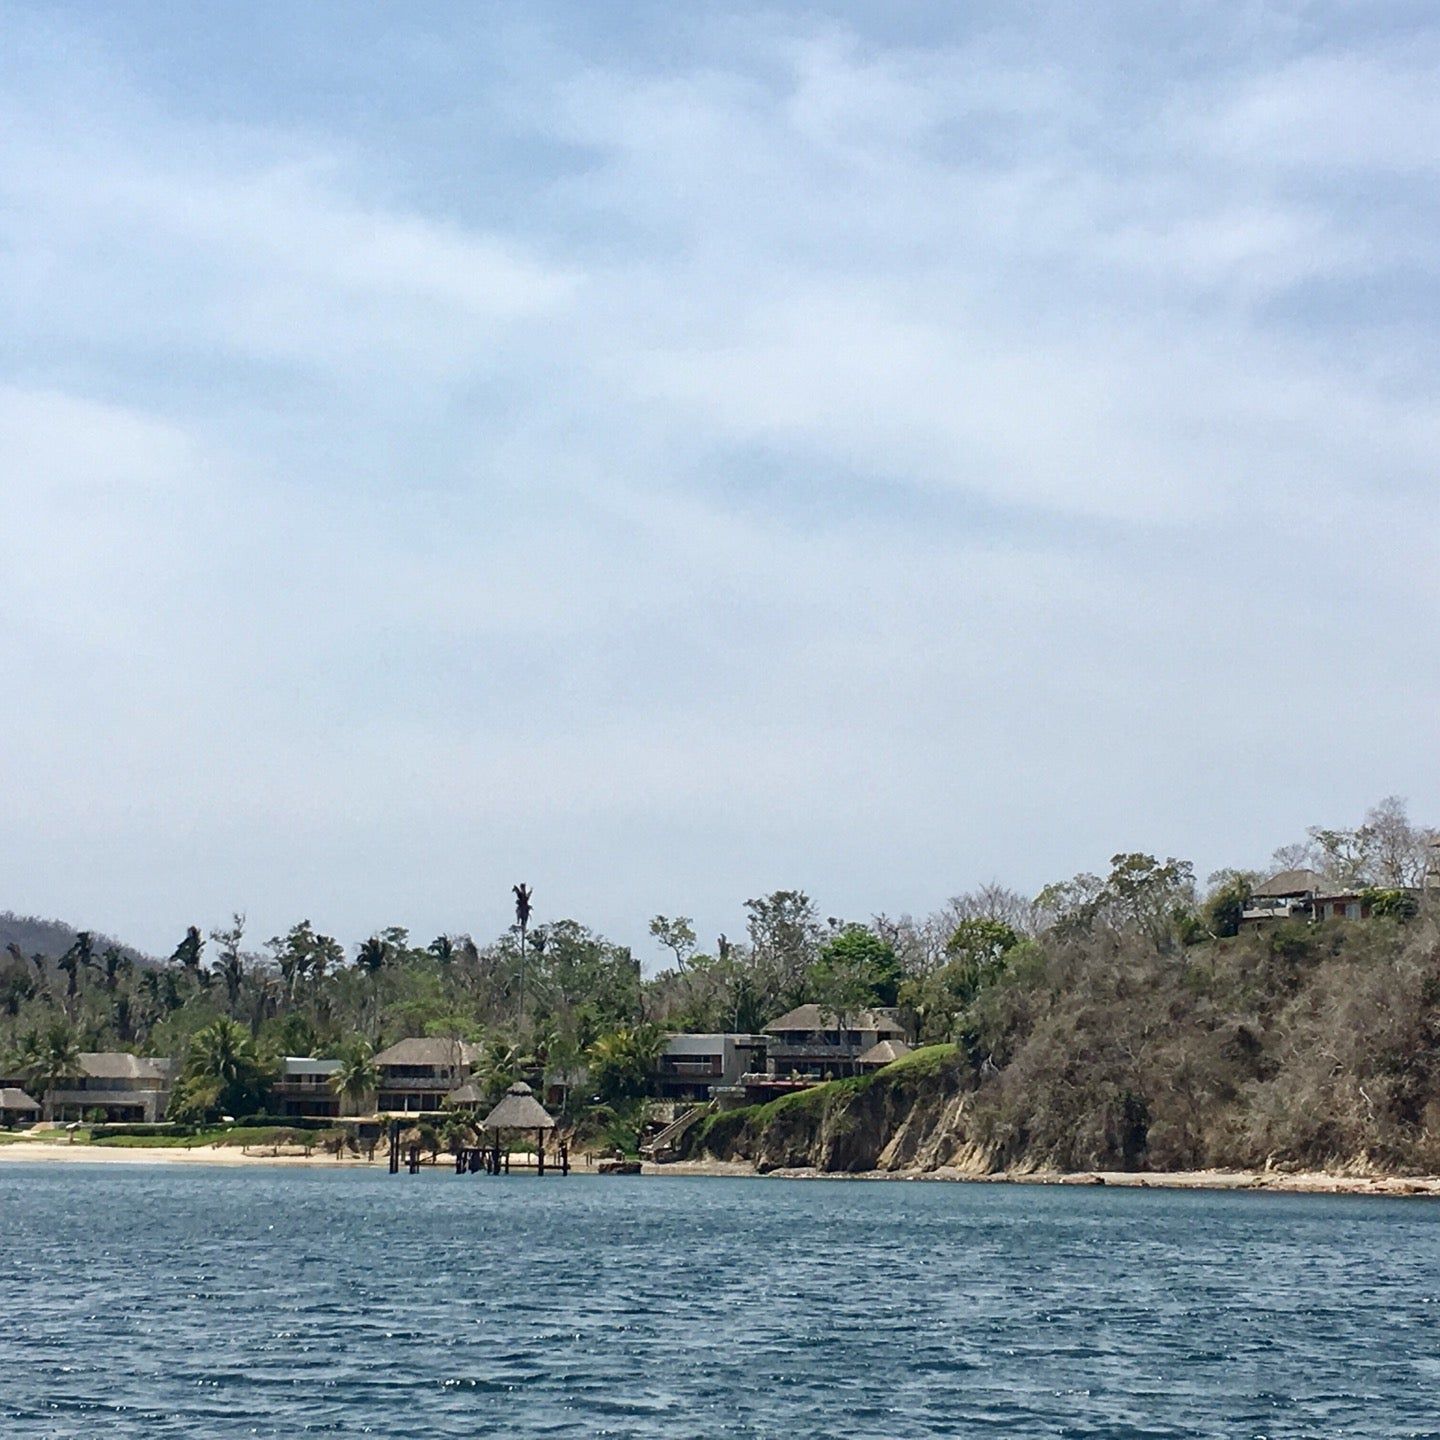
[(1300, 1182), (63, 1152)]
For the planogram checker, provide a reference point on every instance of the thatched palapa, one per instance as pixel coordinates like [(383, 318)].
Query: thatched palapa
[(519, 1110)]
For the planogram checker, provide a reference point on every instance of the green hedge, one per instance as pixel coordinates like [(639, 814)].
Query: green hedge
[(288, 1122), (138, 1128)]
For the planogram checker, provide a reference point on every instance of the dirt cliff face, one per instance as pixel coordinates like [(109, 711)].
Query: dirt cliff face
[(910, 1116)]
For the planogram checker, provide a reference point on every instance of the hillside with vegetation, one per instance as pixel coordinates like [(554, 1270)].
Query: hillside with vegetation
[(1115, 1021)]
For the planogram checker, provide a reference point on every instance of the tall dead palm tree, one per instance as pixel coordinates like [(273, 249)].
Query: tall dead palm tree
[(522, 919)]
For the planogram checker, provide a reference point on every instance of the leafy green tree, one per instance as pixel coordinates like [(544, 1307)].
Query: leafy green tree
[(1230, 890), (976, 956), (677, 935), (304, 955), (230, 964), (622, 1063), (1141, 895), (1390, 903), (49, 1060), (856, 964), (501, 1064), (223, 1073), (358, 1077), (784, 942)]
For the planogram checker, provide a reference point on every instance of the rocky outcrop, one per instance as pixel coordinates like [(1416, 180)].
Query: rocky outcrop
[(909, 1116)]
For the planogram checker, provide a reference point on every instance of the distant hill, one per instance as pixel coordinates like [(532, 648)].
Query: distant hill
[(52, 938)]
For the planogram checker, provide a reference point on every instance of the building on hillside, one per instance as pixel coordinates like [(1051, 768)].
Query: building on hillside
[(1303, 895), (418, 1073), (305, 1087), (691, 1066), (813, 1042), (1286, 896), (16, 1107), (124, 1087)]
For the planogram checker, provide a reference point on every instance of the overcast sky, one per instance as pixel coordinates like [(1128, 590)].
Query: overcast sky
[(664, 453)]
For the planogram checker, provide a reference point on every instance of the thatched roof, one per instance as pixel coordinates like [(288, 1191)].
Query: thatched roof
[(1290, 882), (883, 1052), (465, 1095), (12, 1099), (519, 1110), (116, 1065), (433, 1050), (809, 1018)]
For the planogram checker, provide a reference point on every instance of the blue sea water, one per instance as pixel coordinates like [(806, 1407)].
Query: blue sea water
[(160, 1301)]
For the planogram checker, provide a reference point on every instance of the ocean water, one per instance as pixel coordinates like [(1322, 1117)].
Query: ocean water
[(209, 1302)]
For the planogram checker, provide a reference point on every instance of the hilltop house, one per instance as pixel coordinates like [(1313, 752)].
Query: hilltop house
[(419, 1073), (1303, 895), (125, 1087), (690, 1066), (815, 1043)]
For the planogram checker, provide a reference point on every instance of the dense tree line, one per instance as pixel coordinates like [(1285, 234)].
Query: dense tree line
[(1131, 981)]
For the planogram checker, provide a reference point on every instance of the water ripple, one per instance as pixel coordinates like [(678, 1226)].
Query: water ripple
[(223, 1303)]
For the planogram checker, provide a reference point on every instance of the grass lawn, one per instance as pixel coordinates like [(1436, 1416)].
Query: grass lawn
[(220, 1135)]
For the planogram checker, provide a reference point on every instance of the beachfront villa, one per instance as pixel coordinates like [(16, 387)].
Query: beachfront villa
[(813, 1042), (691, 1066), (305, 1088), (421, 1073), (125, 1087)]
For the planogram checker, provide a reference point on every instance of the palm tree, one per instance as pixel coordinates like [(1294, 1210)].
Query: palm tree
[(373, 956), (113, 964), (231, 965), (80, 956), (522, 919), (358, 1076), (623, 1063), (188, 952), (223, 1069), (499, 1068), (50, 1060)]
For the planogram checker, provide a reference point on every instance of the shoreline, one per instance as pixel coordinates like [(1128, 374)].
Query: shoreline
[(1299, 1182), (1303, 1182)]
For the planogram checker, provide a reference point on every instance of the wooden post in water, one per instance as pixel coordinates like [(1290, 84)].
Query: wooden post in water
[(394, 1147), (564, 1158), (539, 1152)]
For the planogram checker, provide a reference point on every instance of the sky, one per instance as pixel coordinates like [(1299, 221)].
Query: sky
[(664, 454)]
